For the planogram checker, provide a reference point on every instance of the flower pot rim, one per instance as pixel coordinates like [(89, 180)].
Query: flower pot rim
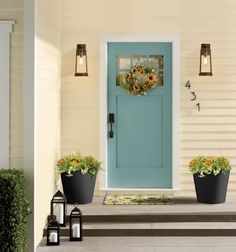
[(71, 173), (212, 174)]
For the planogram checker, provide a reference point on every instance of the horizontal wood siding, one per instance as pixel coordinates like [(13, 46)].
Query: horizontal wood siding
[(212, 130)]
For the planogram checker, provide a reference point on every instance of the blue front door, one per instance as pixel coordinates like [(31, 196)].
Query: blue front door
[(140, 144)]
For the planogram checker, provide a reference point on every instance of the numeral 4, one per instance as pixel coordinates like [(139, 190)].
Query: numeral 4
[(188, 85)]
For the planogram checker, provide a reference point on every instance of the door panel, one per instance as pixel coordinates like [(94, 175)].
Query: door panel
[(137, 148), (140, 152)]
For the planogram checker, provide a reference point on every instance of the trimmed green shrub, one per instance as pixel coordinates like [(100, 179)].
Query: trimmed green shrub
[(14, 209)]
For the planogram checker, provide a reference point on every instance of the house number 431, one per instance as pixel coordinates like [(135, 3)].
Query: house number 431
[(194, 96)]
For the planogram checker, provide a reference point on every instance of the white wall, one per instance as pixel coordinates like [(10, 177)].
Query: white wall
[(20, 77), (13, 10), (47, 107), (211, 131), (5, 31)]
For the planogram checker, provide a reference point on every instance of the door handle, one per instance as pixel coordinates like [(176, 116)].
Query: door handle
[(111, 120)]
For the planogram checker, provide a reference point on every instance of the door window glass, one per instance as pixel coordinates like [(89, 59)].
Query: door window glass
[(125, 63)]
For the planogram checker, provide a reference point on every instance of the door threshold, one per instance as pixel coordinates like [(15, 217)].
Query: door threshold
[(175, 192)]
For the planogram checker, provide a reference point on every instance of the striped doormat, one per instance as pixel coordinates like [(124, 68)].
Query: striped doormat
[(141, 199)]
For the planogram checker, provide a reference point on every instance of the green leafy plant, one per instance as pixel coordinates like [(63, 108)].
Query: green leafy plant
[(14, 209), (204, 165), (77, 162)]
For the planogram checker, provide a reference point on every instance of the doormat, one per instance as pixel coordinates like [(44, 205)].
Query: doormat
[(142, 199)]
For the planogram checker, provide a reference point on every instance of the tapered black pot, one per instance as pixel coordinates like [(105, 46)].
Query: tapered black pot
[(78, 188), (211, 189)]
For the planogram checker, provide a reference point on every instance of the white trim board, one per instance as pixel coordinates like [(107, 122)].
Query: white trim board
[(174, 39), (5, 30), (29, 116)]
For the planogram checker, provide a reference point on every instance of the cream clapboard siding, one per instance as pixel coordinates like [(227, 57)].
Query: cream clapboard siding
[(13, 10), (47, 104), (210, 131)]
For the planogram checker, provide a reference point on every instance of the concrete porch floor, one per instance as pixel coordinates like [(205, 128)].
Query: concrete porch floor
[(181, 205), (145, 244)]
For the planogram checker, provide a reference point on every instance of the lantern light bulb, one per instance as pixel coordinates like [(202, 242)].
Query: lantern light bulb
[(81, 62), (205, 60)]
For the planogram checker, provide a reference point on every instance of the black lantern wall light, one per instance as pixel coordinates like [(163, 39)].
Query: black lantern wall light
[(205, 60), (81, 64)]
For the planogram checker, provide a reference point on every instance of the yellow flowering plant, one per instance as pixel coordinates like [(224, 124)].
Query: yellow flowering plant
[(77, 162), (203, 165), (140, 80)]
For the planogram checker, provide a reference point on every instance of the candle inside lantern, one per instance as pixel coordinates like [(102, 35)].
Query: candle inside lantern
[(53, 237), (76, 230), (81, 61), (59, 211)]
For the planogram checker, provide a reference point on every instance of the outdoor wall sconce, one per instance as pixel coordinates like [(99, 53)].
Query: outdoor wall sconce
[(58, 207), (205, 60), (53, 232), (81, 64), (76, 224)]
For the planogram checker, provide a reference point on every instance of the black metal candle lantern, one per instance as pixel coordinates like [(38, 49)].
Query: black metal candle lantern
[(58, 207), (81, 64), (76, 224), (53, 232), (205, 60)]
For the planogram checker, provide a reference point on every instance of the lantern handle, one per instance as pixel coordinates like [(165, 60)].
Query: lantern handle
[(51, 217), (76, 205)]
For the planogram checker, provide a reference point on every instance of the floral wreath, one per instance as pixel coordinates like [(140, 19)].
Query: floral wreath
[(139, 81)]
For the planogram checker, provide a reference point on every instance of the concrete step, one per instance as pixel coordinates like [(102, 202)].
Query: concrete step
[(161, 217), (185, 218), (143, 244), (156, 229)]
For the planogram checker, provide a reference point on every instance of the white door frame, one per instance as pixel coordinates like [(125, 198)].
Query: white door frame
[(174, 39)]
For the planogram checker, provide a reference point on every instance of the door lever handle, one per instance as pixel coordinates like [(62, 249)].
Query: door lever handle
[(111, 120)]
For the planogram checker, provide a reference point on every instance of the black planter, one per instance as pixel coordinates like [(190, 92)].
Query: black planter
[(78, 188), (211, 189)]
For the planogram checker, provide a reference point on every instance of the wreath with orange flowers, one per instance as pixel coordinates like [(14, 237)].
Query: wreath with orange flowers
[(139, 80)]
